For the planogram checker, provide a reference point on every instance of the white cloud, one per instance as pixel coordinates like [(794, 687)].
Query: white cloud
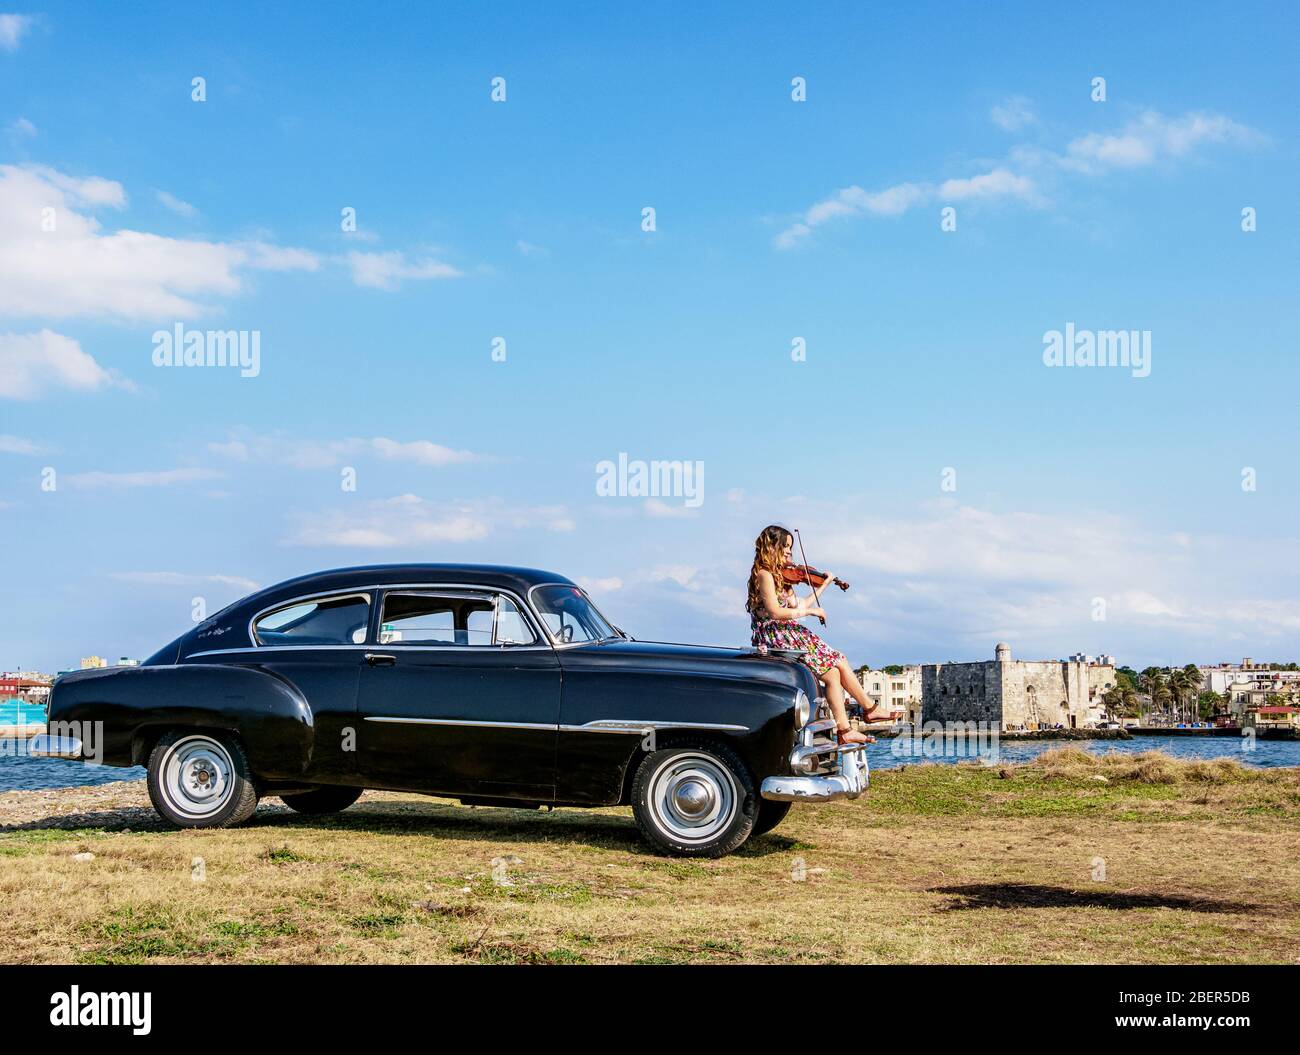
[(325, 454), (19, 445), (1153, 137), (1011, 115), (411, 521), (388, 270), (21, 129), (266, 257), (161, 478), (657, 507), (682, 574), (1143, 141), (180, 208), (12, 30), (1140, 602), (995, 184), (31, 363), (172, 578), (236, 449), (608, 585), (528, 249), (898, 199), (77, 269)]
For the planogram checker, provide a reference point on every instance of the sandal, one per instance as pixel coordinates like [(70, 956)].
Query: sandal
[(850, 735)]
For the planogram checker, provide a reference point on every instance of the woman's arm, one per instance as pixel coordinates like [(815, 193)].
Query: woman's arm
[(772, 603)]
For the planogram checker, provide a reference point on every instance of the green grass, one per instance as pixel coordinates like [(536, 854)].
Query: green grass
[(936, 863)]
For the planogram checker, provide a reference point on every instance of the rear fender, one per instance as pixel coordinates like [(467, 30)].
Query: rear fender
[(134, 706)]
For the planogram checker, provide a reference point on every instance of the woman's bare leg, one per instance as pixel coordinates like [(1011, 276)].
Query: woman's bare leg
[(835, 697), (851, 685)]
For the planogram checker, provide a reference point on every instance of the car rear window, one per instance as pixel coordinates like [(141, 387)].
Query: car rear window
[(319, 621)]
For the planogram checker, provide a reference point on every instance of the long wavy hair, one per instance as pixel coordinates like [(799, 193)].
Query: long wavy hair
[(769, 555)]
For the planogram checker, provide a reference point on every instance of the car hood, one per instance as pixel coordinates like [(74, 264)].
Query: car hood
[(701, 659)]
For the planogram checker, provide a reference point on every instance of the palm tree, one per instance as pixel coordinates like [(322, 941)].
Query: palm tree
[(1194, 679), (1121, 702), (1114, 700), (1153, 684), (1178, 685), (1163, 698)]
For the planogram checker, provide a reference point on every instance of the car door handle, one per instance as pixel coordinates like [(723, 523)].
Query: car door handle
[(380, 659)]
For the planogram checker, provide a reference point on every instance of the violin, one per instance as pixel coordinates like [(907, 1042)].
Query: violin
[(794, 574), (805, 572)]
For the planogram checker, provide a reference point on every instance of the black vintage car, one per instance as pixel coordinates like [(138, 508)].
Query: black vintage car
[(497, 686)]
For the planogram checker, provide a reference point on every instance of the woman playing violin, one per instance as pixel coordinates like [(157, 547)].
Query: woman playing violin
[(775, 611)]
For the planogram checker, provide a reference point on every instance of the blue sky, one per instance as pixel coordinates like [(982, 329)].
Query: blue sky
[(775, 219)]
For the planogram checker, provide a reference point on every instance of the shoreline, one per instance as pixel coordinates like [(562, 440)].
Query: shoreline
[(79, 805), (21, 732)]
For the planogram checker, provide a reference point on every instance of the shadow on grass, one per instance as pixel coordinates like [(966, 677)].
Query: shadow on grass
[(1033, 895), (433, 819), (446, 821), (135, 818)]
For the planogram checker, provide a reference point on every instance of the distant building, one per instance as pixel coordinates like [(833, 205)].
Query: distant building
[(90, 662), (27, 685), (124, 662), (1016, 694), (1244, 686), (1276, 717), (1082, 657), (899, 694)]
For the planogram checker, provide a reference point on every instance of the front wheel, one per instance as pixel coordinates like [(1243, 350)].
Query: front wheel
[(694, 799), (201, 780), (322, 800)]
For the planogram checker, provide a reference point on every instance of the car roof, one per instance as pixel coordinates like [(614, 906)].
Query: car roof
[(520, 580)]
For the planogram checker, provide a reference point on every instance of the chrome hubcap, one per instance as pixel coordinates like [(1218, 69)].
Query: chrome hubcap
[(693, 797), (197, 776)]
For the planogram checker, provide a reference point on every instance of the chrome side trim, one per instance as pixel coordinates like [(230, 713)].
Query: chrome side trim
[(605, 725), (273, 649), (629, 725), (461, 721)]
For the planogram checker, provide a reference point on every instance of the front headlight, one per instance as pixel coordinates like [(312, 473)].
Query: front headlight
[(802, 709)]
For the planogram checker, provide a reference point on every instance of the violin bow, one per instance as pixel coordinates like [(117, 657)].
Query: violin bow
[(816, 596)]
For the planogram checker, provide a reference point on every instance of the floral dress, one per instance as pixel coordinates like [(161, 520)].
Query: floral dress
[(817, 656)]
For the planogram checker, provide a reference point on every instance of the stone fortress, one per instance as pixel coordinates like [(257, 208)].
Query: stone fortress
[(1017, 694)]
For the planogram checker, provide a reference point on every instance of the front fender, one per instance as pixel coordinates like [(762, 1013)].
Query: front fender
[(119, 712)]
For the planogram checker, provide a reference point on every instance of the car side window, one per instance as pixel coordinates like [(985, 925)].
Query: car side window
[(469, 620), (319, 621), (511, 626)]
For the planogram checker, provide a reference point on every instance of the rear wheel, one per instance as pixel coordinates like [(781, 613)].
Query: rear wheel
[(770, 814), (322, 800), (694, 799), (201, 780)]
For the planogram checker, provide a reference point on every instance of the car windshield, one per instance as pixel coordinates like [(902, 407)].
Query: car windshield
[(569, 615)]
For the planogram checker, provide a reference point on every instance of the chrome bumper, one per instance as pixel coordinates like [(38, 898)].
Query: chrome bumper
[(823, 769), (54, 746)]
